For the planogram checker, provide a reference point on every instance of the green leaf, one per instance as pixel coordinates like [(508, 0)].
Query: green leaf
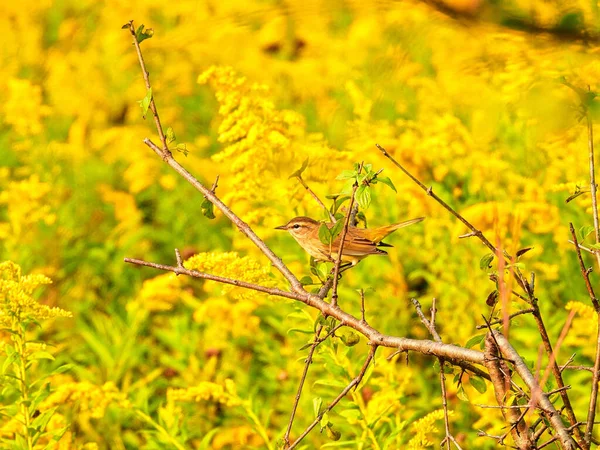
[(306, 280), (40, 422), (298, 173), (330, 382), (40, 355), (388, 182), (299, 330), (324, 421), (485, 262), (336, 229), (585, 231), (141, 35), (9, 361), (478, 383), (182, 148), (346, 175), (205, 443), (460, 393), (145, 102), (474, 340), (324, 234), (170, 135), (207, 208), (363, 196), (317, 402)]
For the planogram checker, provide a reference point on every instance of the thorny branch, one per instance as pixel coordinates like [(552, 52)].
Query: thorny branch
[(527, 287), (585, 273)]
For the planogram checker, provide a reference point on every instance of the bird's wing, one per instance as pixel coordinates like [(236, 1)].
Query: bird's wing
[(357, 246)]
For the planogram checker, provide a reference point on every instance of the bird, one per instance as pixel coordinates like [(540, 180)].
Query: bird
[(358, 244)]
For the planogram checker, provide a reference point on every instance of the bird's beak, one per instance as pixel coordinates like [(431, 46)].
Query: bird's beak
[(282, 227)]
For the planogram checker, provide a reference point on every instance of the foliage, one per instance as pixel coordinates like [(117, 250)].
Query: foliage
[(252, 90)]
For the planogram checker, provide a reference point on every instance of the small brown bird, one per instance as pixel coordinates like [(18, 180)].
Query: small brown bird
[(358, 244)]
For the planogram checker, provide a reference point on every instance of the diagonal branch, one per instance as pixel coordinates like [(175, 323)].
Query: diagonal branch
[(523, 283), (307, 363), (354, 383), (316, 198), (242, 226), (452, 353)]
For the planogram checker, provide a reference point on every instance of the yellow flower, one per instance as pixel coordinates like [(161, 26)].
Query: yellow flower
[(23, 109), (90, 399), (16, 301), (206, 391), (423, 427)]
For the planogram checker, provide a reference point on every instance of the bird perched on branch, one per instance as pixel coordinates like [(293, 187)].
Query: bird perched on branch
[(358, 243)]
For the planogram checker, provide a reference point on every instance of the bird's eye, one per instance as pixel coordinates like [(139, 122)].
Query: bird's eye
[(296, 226)]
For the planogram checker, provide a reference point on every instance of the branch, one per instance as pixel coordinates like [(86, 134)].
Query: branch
[(338, 259), (543, 403), (165, 150), (527, 287), (242, 226), (512, 316), (499, 372), (317, 199), (307, 363), (449, 352), (355, 382)]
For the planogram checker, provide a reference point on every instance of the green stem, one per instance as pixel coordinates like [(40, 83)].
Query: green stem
[(149, 420), (20, 348)]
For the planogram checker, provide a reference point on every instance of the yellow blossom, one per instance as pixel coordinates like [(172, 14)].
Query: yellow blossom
[(423, 427), (206, 391), (90, 399), (16, 301)]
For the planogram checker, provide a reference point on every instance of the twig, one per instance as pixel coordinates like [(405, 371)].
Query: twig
[(317, 199), (583, 247), (165, 150), (355, 382), (593, 188), (181, 270), (512, 316), (338, 259), (362, 305), (586, 368), (307, 363), (430, 325), (429, 191), (585, 273)]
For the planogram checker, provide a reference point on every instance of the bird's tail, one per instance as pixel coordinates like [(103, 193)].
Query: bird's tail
[(380, 233)]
